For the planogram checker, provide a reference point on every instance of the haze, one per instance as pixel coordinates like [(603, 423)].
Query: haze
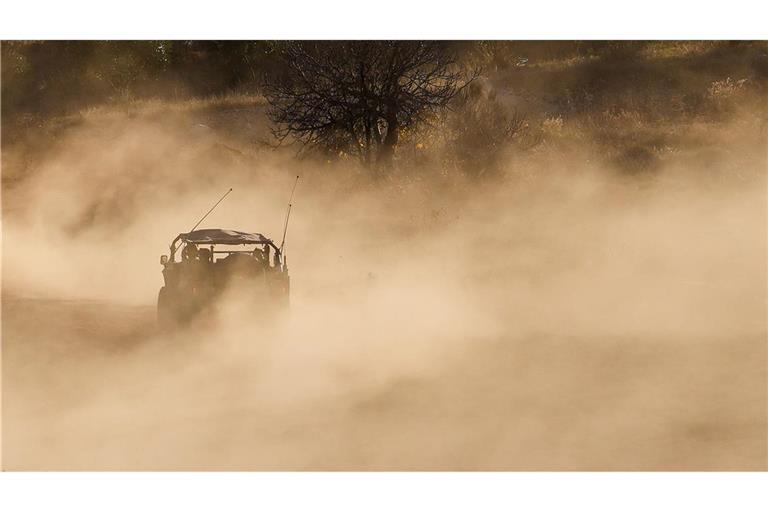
[(563, 315)]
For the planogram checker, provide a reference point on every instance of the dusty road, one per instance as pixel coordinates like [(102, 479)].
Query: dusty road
[(89, 385)]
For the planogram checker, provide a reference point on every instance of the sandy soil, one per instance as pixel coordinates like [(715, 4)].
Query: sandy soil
[(89, 385)]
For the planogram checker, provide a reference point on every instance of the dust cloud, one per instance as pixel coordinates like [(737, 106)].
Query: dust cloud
[(573, 318)]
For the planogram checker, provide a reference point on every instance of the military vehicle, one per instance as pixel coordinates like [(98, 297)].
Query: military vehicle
[(204, 264)]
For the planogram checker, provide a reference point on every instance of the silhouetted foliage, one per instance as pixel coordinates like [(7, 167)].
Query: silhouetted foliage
[(52, 77), (365, 98), (357, 97), (479, 132)]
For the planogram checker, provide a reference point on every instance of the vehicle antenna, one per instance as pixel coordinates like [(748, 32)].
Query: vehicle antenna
[(288, 214), (209, 211)]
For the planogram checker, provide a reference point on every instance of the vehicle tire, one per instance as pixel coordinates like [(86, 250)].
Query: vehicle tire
[(166, 314)]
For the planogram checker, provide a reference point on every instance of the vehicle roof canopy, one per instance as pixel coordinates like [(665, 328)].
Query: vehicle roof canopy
[(224, 237)]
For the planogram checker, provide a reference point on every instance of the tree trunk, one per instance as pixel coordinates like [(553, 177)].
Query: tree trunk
[(368, 141), (387, 149)]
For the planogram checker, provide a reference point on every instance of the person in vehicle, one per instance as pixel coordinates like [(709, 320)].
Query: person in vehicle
[(187, 271), (265, 251), (189, 253), (204, 270), (258, 256), (205, 255)]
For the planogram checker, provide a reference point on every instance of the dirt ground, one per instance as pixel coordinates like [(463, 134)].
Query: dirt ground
[(540, 403)]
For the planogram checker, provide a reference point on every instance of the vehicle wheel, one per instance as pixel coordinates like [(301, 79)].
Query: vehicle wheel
[(166, 315)]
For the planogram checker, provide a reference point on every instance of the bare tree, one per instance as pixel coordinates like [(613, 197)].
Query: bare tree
[(359, 96)]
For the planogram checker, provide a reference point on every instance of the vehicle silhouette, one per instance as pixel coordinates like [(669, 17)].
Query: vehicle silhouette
[(204, 264)]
